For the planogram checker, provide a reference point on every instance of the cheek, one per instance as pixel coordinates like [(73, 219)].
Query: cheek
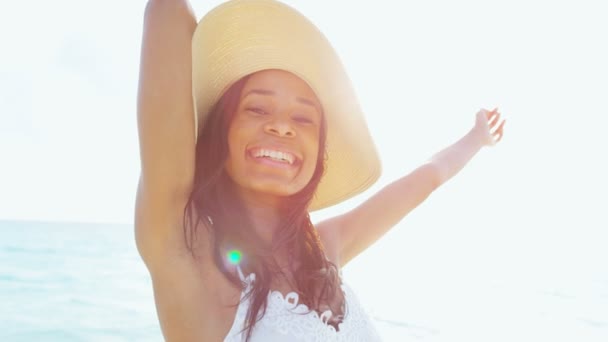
[(233, 151), (312, 147), (238, 135), (312, 144)]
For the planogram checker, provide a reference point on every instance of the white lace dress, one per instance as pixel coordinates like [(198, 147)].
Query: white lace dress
[(288, 320)]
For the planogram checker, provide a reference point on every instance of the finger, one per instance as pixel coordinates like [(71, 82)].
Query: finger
[(492, 121), (483, 117), (498, 138), (500, 127), (498, 134), (490, 113)]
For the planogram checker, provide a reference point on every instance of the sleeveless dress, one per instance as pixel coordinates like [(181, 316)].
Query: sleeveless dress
[(287, 320)]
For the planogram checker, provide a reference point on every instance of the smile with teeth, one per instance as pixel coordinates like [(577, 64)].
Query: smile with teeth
[(279, 156)]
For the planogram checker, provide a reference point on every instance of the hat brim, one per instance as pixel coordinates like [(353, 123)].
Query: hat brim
[(242, 37)]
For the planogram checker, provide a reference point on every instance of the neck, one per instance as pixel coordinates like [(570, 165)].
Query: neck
[(266, 220), (264, 214)]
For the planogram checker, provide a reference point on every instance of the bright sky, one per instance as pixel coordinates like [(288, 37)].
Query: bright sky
[(69, 150)]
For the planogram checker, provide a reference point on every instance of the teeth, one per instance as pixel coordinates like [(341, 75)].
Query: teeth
[(276, 155)]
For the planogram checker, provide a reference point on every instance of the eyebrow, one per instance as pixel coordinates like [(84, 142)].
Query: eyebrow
[(266, 92)]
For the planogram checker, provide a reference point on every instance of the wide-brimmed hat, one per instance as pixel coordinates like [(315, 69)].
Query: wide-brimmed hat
[(241, 37)]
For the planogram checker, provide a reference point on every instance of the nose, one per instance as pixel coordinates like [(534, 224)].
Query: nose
[(280, 127)]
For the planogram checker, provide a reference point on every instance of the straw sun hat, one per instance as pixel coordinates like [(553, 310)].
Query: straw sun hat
[(241, 37)]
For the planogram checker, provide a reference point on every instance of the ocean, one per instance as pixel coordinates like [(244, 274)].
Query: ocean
[(86, 282), (73, 282)]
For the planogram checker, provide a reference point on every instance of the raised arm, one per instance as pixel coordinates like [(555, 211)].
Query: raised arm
[(353, 232), (166, 125)]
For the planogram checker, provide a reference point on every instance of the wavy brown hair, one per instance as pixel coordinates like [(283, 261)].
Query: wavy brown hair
[(217, 208)]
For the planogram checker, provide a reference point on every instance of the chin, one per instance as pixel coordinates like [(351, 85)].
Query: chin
[(279, 190), (281, 185)]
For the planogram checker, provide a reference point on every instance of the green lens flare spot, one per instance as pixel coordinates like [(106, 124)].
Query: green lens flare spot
[(234, 256)]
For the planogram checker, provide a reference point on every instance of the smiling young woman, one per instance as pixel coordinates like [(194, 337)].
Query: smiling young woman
[(247, 122), (274, 135)]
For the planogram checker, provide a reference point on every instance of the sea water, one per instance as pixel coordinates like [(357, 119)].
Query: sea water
[(86, 282), (73, 282)]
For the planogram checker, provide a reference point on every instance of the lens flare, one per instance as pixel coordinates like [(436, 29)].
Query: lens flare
[(234, 256)]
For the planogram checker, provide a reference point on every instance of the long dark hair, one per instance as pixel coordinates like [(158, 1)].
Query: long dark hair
[(216, 207)]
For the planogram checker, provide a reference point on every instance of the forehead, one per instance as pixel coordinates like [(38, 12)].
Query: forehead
[(281, 83)]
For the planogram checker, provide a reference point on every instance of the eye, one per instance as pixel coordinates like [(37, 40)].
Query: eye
[(303, 119), (257, 110)]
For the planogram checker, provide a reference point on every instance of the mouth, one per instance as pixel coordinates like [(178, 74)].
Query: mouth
[(273, 155)]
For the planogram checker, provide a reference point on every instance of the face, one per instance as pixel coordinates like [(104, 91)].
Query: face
[(273, 138)]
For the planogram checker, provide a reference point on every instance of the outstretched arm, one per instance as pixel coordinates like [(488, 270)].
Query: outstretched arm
[(351, 233), (165, 118)]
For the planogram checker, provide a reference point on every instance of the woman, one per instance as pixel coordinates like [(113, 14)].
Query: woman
[(227, 179)]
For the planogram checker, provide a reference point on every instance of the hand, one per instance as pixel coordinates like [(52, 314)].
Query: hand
[(488, 126)]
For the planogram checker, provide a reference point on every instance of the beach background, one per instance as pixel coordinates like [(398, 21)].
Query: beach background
[(512, 249)]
